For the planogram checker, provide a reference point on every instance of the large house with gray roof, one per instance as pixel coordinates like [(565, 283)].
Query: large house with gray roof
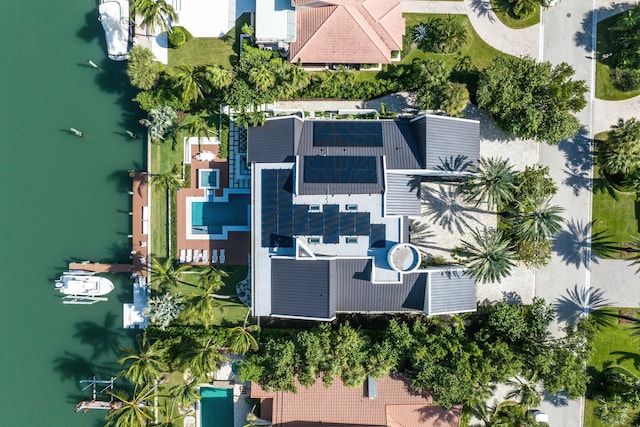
[(331, 208)]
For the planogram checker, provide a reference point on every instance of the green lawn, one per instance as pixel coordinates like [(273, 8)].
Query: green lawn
[(613, 346), (210, 50), (480, 52), (604, 86), (616, 214), (503, 10)]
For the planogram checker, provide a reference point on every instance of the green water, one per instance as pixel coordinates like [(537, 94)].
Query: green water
[(62, 198)]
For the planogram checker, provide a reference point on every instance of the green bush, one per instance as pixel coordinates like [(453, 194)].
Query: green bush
[(626, 79), (179, 36)]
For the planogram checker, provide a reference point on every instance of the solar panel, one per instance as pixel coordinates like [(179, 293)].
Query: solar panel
[(363, 226), (347, 224), (316, 224), (340, 169), (301, 220), (331, 224), (347, 134), (377, 238)]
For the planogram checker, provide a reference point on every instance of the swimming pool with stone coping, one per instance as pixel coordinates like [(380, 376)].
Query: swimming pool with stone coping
[(211, 217), (216, 407)]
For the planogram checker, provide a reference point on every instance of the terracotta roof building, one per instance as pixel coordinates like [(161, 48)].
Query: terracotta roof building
[(335, 31), (391, 404)]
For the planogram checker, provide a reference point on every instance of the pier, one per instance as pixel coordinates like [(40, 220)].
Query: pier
[(99, 267)]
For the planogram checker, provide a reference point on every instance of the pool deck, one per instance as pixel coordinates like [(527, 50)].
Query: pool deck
[(238, 245)]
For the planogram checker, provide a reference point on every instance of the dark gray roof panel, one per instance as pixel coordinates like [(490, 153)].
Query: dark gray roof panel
[(340, 175), (402, 195), (398, 144), (356, 293), (303, 288), (274, 142), (451, 292), (451, 139), (347, 133)]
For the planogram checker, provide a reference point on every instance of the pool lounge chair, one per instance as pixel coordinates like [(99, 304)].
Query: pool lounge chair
[(189, 255), (214, 256), (222, 256), (196, 255), (205, 256), (183, 256)]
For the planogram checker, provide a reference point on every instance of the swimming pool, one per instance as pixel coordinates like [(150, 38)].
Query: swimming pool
[(216, 407), (208, 178), (212, 217)]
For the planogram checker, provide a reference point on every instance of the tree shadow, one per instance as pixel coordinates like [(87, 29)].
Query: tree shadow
[(421, 234), (578, 151), (483, 8), (623, 356), (73, 366), (577, 245), (557, 400), (445, 207), (459, 163), (577, 179), (512, 298), (92, 29), (584, 37), (581, 301), (103, 338)]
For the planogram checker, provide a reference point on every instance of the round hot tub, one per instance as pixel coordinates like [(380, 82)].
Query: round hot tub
[(404, 258)]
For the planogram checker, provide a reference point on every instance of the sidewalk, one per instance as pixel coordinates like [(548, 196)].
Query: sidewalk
[(524, 42)]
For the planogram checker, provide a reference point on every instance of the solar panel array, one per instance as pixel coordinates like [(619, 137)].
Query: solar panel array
[(340, 169), (347, 133), (281, 219)]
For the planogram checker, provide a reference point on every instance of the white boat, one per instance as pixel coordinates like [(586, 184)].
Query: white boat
[(83, 288), (114, 16)]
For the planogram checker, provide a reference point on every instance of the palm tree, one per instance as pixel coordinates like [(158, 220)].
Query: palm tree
[(162, 121), (167, 181), (202, 306), (191, 81), (241, 339), (494, 182), (614, 412), (217, 76), (155, 12), (526, 389), (212, 277), (199, 127), (145, 364), (620, 154), (203, 356), (537, 220), (132, 412), (164, 275), (142, 68), (635, 249), (455, 98), (488, 257), (184, 394), (163, 309), (262, 77)]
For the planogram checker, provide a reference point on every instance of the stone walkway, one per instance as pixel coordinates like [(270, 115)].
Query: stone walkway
[(524, 42)]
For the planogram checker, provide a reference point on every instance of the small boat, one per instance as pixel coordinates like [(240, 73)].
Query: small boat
[(114, 17), (77, 286)]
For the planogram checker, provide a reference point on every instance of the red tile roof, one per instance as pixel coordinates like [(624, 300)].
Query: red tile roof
[(395, 405), (347, 31)]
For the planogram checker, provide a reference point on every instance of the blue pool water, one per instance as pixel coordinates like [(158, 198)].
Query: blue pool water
[(216, 407), (208, 178), (210, 217)]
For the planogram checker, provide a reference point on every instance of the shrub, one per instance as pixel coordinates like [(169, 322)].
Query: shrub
[(177, 37), (626, 79), (444, 35)]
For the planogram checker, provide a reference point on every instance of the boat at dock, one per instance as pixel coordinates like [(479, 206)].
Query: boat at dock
[(82, 287), (114, 17)]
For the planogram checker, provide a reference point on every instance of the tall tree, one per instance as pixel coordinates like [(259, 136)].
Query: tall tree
[(493, 182), (620, 154), (133, 411), (165, 276), (488, 257), (144, 363), (155, 13), (217, 76), (532, 99), (167, 181), (455, 98), (536, 219), (162, 121), (203, 355), (142, 68), (191, 81), (241, 338)]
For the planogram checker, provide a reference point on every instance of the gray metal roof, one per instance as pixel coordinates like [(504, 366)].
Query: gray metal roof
[(450, 292), (450, 139), (303, 288), (274, 142), (402, 195), (356, 293)]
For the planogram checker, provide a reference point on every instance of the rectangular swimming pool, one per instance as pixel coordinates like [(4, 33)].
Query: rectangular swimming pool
[(211, 217), (216, 407), (208, 178)]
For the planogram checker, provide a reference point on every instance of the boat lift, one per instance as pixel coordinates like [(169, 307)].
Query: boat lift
[(94, 403), (80, 299)]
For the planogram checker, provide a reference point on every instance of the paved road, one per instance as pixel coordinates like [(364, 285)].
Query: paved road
[(568, 36)]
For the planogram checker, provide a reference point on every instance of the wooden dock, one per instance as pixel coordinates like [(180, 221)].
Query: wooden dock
[(99, 267)]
